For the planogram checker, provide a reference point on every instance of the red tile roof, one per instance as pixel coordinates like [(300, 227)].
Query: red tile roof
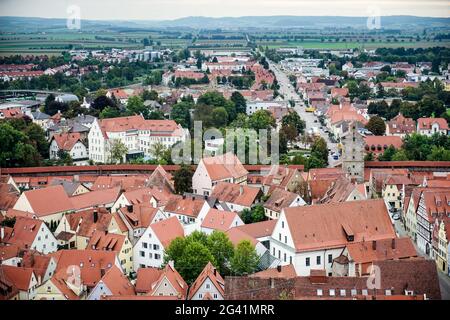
[(219, 220), (49, 200), (167, 230), (234, 193), (426, 123), (118, 283), (97, 198), (211, 273), (66, 141), (224, 166), (326, 225)]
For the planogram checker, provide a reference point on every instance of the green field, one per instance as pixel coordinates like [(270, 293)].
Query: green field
[(352, 45)]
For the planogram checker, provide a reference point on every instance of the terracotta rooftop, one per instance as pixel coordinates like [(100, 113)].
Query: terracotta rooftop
[(224, 166), (219, 220), (337, 224), (167, 230), (48, 200), (234, 193), (211, 273), (280, 198)]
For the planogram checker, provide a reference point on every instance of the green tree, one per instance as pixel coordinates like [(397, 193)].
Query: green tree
[(239, 101), (16, 149), (219, 117), (258, 214), (110, 112), (194, 258), (439, 154), (118, 150), (400, 155), (319, 150), (376, 125), (314, 162), (181, 114), (222, 249), (261, 119), (244, 260), (183, 179), (294, 120), (387, 154)]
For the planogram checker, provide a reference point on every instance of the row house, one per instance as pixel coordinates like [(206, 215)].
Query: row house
[(22, 279), (433, 204), (188, 209), (218, 220), (113, 283), (209, 285), (442, 254)]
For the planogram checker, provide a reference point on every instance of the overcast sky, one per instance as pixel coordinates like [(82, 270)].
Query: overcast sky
[(171, 9)]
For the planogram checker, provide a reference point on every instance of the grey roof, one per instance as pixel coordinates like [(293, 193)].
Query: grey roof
[(40, 115), (69, 187), (67, 98), (152, 104), (82, 118), (76, 127)]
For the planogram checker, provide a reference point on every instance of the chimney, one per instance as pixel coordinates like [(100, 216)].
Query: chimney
[(76, 178), (184, 196), (279, 268), (393, 243), (2, 233), (272, 283), (95, 213), (215, 272), (171, 264), (130, 208), (374, 245), (241, 190)]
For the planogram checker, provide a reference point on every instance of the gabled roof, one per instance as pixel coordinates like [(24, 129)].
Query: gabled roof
[(208, 272), (236, 236), (161, 177), (118, 283), (426, 123), (20, 277), (47, 201), (85, 223), (259, 229), (38, 262), (8, 196), (185, 205), (148, 280), (341, 190), (167, 230), (66, 141), (224, 167), (279, 199), (24, 232), (219, 220), (92, 264), (234, 193), (141, 215), (126, 183), (334, 225), (97, 198)]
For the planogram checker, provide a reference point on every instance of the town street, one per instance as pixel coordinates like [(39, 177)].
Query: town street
[(289, 93)]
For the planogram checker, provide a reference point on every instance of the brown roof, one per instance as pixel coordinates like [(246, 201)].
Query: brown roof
[(224, 166), (234, 193), (340, 190), (184, 205), (97, 198), (102, 240), (118, 283), (279, 199), (208, 272), (259, 229), (38, 262), (83, 222), (331, 225), (20, 277), (140, 216), (24, 232), (426, 123), (236, 235), (66, 141), (219, 220), (49, 200), (285, 272), (419, 276), (148, 280), (126, 183), (8, 197), (167, 230), (380, 250), (93, 264)]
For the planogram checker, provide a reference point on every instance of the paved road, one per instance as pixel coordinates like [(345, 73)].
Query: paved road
[(289, 93)]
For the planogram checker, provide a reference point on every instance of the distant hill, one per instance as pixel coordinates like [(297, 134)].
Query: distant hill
[(24, 24)]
